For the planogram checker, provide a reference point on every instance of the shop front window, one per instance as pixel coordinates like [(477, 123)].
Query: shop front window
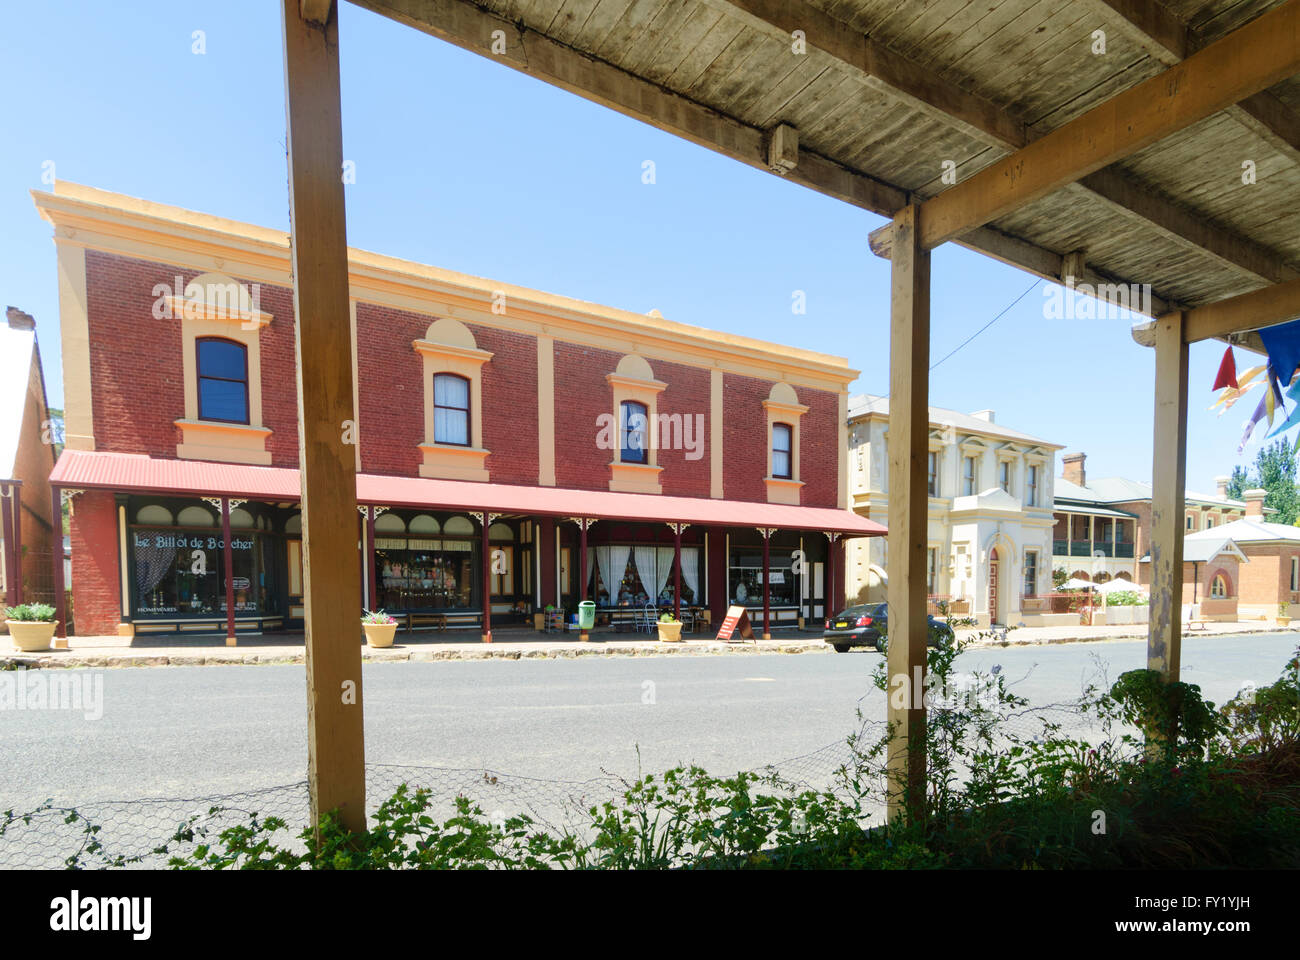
[(420, 574), (745, 580), (181, 573)]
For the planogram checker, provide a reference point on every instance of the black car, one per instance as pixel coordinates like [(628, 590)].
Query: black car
[(866, 625)]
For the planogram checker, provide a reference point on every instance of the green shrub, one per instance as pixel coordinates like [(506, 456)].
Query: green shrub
[(31, 613)]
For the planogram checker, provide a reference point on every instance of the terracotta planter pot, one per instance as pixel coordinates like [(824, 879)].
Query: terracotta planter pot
[(670, 632), (30, 635), (380, 634)]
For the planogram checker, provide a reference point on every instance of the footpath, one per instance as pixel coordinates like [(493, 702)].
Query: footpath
[(112, 651)]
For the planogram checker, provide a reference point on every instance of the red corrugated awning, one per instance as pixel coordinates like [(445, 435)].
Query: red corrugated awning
[(86, 469)]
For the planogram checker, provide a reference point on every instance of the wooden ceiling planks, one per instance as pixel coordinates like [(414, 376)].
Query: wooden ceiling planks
[(1031, 58)]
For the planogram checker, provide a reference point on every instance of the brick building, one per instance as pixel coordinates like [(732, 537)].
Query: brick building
[(1103, 525), (1268, 582), (502, 435), (27, 533)]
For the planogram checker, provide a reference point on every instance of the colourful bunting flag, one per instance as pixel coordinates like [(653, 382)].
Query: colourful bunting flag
[(1227, 376)]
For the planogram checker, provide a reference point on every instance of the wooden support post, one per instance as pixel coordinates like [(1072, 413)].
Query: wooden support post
[(227, 556), (60, 589), (7, 496), (336, 762), (908, 448), (487, 577), (832, 543), (1168, 479), (582, 571), (677, 570), (372, 591), (16, 503), (767, 592)]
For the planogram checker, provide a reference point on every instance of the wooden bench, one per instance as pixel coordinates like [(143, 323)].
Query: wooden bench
[(441, 621)]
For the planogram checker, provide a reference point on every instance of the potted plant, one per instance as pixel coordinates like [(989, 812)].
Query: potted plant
[(380, 628), (31, 625), (1282, 618), (670, 628)]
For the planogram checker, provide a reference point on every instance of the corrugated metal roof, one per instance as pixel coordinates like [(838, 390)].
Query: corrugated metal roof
[(134, 472), (1120, 490)]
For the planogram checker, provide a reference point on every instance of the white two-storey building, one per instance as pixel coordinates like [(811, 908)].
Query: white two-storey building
[(990, 529)]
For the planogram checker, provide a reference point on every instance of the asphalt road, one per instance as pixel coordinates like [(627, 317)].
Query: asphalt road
[(205, 731)]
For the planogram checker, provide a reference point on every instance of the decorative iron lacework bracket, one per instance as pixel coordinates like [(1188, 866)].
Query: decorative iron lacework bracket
[(677, 527), (583, 522)]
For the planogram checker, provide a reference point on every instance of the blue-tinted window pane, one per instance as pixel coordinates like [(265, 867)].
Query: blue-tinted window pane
[(221, 358), (450, 426), (450, 391), (781, 438), (222, 400), (635, 433), (780, 463)]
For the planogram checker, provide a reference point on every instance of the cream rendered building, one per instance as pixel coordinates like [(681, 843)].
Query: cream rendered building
[(990, 529)]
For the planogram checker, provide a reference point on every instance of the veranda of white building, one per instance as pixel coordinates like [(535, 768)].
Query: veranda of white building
[(990, 513)]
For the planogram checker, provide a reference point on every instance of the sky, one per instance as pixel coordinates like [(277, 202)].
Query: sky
[(465, 164)]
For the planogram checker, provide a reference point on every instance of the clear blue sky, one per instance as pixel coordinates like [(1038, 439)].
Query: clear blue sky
[(468, 165)]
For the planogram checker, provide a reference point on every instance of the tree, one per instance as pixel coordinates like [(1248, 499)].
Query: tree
[(1238, 483), (1275, 473)]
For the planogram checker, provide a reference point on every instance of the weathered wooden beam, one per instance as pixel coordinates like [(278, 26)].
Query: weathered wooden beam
[(1168, 482), (1168, 40), (315, 11), (467, 25), (336, 767), (908, 450), (1249, 311), (1246, 61), (882, 69)]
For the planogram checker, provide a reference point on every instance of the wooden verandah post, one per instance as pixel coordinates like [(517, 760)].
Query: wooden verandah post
[(1168, 479), (908, 446), (331, 566)]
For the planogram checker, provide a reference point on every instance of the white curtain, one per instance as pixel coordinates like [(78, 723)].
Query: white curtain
[(647, 568), (691, 570), (664, 570), (603, 562), (613, 574)]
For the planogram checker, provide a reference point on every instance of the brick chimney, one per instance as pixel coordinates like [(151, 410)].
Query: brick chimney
[(19, 320), (1221, 484), (1072, 468), (1254, 502)]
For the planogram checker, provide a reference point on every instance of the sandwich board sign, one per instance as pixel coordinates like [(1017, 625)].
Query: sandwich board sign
[(737, 619)]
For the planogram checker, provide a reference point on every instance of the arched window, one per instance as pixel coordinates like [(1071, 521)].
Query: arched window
[(782, 467), (634, 432), (1219, 587), (451, 410), (223, 380)]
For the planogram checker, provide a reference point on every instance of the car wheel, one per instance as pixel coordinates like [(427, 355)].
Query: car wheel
[(841, 647)]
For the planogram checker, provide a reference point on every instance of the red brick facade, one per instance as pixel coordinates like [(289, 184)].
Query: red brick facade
[(138, 394)]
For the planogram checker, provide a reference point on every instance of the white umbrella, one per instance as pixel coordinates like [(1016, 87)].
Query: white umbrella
[(1076, 584), (1115, 586)]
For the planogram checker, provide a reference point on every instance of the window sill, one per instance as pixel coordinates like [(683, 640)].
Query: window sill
[(634, 477), (449, 462), (223, 442), (783, 490)]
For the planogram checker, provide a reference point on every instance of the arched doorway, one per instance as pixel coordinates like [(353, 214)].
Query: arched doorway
[(995, 565)]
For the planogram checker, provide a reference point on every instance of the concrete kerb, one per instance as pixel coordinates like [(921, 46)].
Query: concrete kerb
[(102, 654)]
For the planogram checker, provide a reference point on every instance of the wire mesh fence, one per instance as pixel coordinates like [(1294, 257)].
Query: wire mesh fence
[(133, 833)]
